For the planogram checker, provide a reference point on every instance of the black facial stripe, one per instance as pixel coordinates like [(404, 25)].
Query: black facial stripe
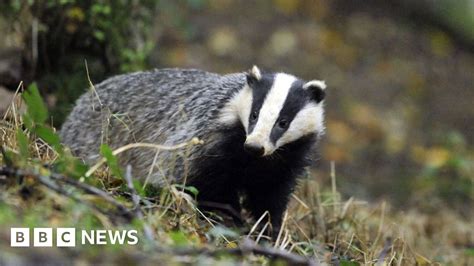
[(260, 90), (294, 102)]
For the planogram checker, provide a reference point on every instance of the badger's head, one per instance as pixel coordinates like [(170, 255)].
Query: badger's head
[(276, 109)]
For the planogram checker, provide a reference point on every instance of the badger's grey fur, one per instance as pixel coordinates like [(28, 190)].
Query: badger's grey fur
[(277, 116)]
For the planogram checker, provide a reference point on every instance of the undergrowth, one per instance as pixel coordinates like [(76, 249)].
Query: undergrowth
[(43, 185)]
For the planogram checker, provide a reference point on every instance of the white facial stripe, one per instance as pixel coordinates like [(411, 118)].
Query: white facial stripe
[(238, 108), (270, 111), (308, 120)]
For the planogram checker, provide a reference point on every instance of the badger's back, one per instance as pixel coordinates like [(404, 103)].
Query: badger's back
[(168, 106)]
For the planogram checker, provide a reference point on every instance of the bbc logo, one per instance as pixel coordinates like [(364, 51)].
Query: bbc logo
[(42, 237)]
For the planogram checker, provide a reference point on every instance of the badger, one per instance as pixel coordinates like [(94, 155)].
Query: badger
[(259, 131)]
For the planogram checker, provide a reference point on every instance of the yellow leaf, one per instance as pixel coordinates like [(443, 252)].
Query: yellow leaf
[(437, 157), (76, 13), (421, 260), (231, 245)]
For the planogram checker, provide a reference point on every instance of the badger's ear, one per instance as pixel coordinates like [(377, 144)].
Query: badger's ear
[(317, 89), (253, 75)]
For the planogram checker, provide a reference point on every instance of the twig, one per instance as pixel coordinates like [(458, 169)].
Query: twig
[(53, 186), (123, 210), (136, 204), (93, 190), (91, 85), (254, 227), (227, 208), (333, 186), (247, 247), (380, 229), (46, 181), (384, 252), (193, 141)]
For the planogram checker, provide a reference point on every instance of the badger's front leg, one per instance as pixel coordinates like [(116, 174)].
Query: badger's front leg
[(218, 194), (272, 198)]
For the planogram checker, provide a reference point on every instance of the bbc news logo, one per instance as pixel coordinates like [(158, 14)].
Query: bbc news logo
[(66, 237)]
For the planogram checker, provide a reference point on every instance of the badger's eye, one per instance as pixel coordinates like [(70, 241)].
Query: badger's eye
[(253, 116), (283, 123)]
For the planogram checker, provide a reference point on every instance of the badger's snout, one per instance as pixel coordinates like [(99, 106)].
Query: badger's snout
[(254, 149)]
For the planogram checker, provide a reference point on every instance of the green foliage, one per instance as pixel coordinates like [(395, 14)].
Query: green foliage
[(193, 190), (37, 111), (137, 184), (447, 170), (6, 214), (36, 116), (179, 238), (70, 166), (23, 143), (34, 120), (149, 191), (459, 15), (470, 252), (114, 37), (48, 135), (348, 263), (111, 159)]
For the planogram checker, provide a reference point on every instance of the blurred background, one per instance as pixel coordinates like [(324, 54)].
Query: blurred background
[(400, 73)]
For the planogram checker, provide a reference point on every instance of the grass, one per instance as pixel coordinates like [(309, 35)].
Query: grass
[(319, 223)]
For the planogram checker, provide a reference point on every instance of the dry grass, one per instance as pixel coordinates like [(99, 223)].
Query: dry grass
[(319, 223)]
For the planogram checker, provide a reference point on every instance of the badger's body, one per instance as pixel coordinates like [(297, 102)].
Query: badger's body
[(258, 131)]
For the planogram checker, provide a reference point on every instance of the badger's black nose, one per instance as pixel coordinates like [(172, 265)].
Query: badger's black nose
[(254, 149)]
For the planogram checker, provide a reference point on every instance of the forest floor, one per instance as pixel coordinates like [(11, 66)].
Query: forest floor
[(42, 185)]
